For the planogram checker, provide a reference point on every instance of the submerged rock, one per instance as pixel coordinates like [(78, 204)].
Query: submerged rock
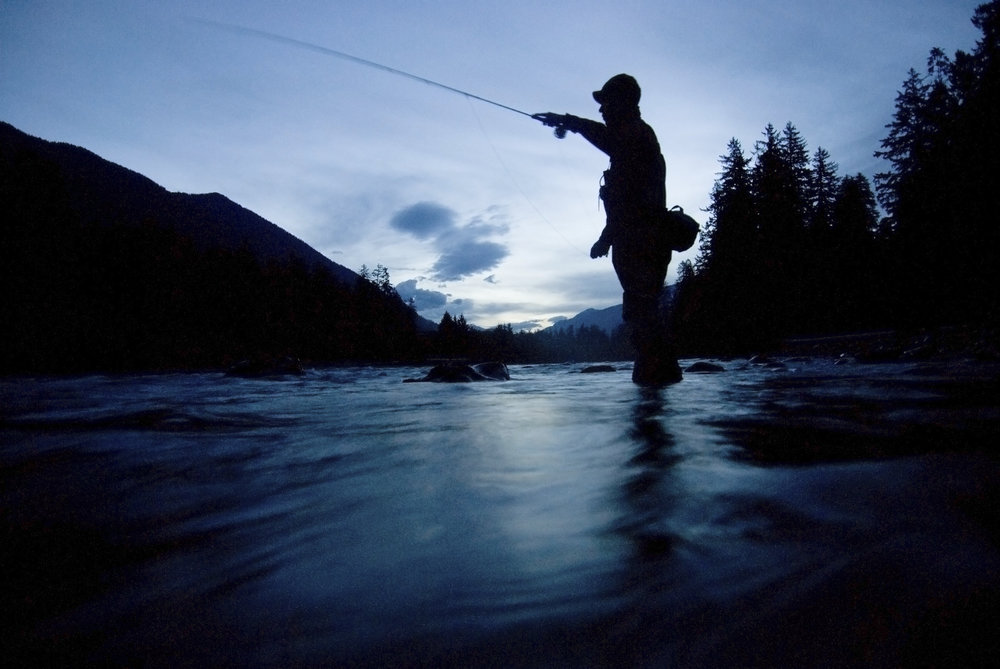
[(493, 371), (460, 373), (598, 369)]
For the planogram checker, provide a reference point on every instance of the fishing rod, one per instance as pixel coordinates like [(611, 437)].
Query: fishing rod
[(302, 44)]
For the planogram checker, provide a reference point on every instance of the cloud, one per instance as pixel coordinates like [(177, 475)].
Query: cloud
[(494, 222), (468, 257), (525, 326), (424, 220), (432, 304), (423, 299), (463, 250)]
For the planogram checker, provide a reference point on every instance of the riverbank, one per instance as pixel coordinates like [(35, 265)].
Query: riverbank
[(946, 342)]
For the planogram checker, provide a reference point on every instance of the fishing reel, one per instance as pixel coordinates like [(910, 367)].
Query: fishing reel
[(559, 121)]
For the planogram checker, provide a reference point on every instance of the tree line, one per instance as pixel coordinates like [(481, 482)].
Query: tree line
[(455, 338), (790, 247), (118, 297)]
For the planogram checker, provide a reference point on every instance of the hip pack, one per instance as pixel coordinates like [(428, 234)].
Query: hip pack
[(678, 230)]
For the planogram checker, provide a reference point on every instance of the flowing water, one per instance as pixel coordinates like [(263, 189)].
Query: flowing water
[(803, 515)]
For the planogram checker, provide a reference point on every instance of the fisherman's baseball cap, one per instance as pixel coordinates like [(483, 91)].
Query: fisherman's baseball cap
[(621, 88)]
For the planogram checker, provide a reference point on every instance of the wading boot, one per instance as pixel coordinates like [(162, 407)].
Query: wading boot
[(655, 366)]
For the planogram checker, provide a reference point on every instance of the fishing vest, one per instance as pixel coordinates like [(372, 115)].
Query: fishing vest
[(633, 187)]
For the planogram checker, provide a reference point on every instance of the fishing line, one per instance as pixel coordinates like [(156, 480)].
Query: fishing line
[(302, 44), (514, 181)]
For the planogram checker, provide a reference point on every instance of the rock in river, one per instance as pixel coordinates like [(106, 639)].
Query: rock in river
[(460, 373)]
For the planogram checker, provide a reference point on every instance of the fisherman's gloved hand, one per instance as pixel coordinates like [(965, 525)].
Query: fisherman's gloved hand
[(561, 122), (549, 119), (600, 248)]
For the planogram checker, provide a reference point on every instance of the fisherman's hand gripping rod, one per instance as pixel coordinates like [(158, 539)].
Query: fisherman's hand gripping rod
[(561, 122)]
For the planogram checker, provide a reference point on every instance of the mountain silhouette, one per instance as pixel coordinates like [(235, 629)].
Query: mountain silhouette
[(103, 269), (608, 320)]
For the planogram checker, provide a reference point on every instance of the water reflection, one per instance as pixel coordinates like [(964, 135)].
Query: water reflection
[(647, 430), (647, 490)]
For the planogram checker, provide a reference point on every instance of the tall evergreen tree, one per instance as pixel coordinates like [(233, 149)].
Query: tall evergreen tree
[(857, 273), (818, 243), (719, 304), (796, 163), (729, 232), (822, 190), (780, 178)]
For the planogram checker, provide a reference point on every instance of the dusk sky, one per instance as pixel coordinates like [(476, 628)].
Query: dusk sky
[(473, 208)]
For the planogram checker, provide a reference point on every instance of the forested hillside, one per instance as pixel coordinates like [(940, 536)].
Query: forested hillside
[(791, 247), (102, 269)]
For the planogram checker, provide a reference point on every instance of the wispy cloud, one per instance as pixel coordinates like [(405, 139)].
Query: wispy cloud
[(526, 326), (463, 250)]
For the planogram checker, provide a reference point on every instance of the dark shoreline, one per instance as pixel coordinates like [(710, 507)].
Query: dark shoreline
[(973, 343), (928, 343)]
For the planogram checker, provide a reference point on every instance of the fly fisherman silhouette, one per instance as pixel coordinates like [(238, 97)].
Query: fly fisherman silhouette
[(633, 193), (634, 196)]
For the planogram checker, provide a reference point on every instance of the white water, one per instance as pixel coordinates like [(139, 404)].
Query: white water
[(748, 518)]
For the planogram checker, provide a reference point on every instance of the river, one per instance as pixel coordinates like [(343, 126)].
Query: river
[(795, 514)]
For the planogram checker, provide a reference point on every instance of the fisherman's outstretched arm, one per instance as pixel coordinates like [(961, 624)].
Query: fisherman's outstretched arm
[(593, 131)]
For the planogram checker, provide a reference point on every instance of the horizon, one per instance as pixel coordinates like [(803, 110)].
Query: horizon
[(472, 209)]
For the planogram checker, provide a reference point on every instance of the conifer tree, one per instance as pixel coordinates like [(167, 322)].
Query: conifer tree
[(796, 162), (856, 268), (820, 272), (729, 230), (822, 190), (779, 181)]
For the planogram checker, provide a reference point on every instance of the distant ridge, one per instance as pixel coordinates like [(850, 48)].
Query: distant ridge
[(608, 319)]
